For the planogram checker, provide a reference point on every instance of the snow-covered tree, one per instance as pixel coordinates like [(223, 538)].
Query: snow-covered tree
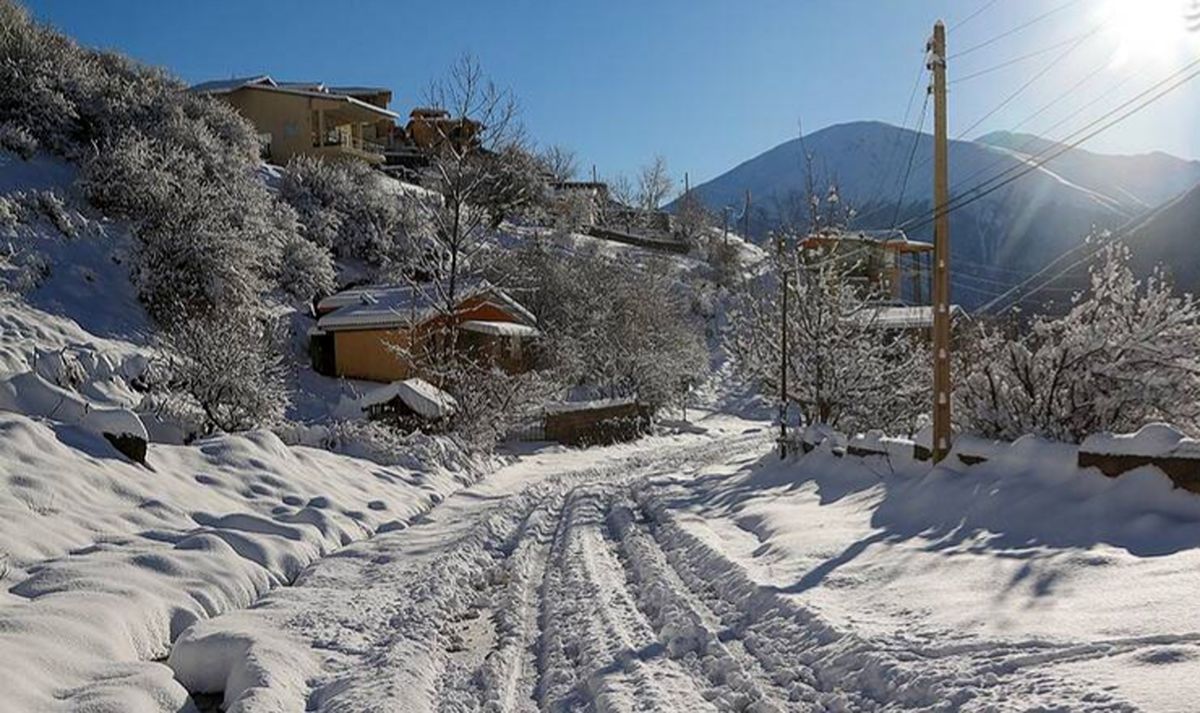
[(306, 270), (1123, 356), (478, 171), (842, 368), (353, 210), (229, 368), (611, 329)]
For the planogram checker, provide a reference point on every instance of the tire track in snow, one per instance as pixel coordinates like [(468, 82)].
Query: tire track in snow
[(599, 652), (847, 672)]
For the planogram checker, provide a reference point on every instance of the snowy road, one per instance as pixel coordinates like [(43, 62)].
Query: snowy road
[(573, 587)]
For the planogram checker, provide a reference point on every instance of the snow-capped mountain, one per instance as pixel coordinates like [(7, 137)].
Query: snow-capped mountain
[(1013, 230)]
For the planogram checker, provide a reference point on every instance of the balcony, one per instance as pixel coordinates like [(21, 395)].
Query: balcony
[(341, 144)]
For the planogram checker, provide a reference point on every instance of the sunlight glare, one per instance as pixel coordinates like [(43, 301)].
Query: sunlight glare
[(1146, 29)]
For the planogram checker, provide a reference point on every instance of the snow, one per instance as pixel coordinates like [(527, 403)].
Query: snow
[(499, 329), (1042, 584), (106, 562), (29, 393), (419, 395), (594, 404), (1152, 440)]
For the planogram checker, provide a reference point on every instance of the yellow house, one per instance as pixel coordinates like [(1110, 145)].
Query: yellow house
[(383, 333), (309, 118)]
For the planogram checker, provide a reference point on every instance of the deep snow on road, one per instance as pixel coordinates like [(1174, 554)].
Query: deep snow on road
[(578, 582)]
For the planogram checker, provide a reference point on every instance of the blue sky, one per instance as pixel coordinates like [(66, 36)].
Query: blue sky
[(706, 83)]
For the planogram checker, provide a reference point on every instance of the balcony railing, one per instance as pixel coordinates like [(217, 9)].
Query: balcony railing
[(350, 142)]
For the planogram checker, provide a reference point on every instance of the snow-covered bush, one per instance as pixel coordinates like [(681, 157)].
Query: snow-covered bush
[(18, 139), (349, 208), (843, 370), (228, 366), (306, 269), (611, 329), (1124, 356), (179, 166)]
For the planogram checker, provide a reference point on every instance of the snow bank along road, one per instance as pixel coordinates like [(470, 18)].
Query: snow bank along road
[(566, 588)]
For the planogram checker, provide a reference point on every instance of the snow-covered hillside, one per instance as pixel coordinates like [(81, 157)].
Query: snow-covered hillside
[(1013, 230)]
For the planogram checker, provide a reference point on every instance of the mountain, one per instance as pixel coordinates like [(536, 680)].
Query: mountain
[(995, 240), (1171, 238)]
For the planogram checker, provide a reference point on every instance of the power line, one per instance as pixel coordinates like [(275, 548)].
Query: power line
[(1014, 30), (1044, 134), (958, 25), (911, 155), (1057, 150), (1075, 44), (1022, 58), (1035, 166)]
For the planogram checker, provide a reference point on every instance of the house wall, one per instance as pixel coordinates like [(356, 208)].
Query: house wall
[(365, 354), (286, 117)]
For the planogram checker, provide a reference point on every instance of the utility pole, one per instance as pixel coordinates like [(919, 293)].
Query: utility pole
[(594, 179), (687, 187), (783, 358), (941, 249), (746, 218)]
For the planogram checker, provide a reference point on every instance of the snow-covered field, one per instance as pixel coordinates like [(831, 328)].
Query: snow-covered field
[(686, 571)]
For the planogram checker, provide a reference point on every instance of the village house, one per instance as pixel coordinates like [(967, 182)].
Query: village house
[(309, 118), (381, 333), (876, 259)]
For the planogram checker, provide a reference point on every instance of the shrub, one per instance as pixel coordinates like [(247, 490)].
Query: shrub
[(18, 139), (351, 209), (1124, 356), (306, 270), (229, 367)]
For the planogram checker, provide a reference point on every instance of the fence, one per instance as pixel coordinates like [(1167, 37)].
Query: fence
[(1156, 445)]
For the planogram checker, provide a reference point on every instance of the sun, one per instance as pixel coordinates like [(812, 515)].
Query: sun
[(1146, 29)]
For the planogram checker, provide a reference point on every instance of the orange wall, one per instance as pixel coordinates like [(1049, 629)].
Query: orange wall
[(365, 355)]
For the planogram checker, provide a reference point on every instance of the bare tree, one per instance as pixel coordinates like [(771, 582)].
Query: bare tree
[(654, 184), (561, 163), (472, 173), (843, 369)]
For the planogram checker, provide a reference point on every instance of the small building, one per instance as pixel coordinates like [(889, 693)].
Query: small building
[(412, 404), (309, 118), (591, 423), (384, 333), (875, 258), (429, 128), (906, 318)]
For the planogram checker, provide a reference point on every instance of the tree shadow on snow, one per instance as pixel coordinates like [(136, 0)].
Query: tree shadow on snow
[(1031, 503)]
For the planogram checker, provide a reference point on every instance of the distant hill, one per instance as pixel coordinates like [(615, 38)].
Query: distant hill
[(1171, 238), (1014, 230)]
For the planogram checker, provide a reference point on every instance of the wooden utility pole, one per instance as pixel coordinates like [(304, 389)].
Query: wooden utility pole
[(783, 357), (746, 218), (941, 249)]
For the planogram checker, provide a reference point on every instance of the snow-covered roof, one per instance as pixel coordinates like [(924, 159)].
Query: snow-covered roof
[(499, 329), (419, 395), (573, 406), (309, 89), (904, 317), (404, 306), (224, 86), (889, 239)]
